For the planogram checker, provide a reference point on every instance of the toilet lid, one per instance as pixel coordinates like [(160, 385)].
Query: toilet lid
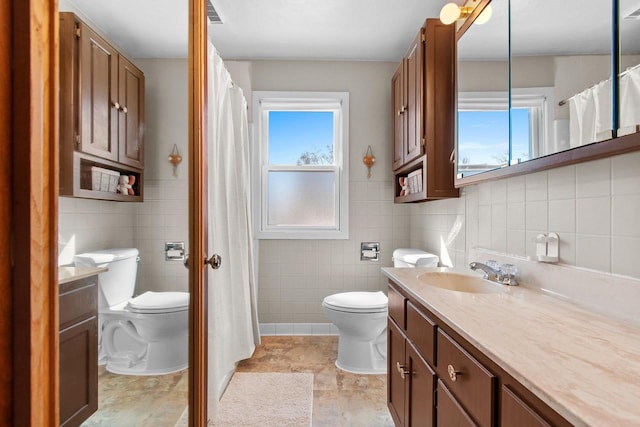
[(357, 301), (159, 302)]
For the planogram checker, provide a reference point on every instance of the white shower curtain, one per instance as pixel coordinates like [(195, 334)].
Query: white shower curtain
[(232, 310), (630, 97)]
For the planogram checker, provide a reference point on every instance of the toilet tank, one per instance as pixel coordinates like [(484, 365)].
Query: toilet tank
[(118, 283), (410, 257)]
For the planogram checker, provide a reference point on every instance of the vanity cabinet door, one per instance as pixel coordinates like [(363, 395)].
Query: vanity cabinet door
[(421, 388), (515, 412), (395, 383), (78, 361), (450, 413)]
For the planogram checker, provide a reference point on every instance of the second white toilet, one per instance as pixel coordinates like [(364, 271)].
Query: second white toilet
[(361, 319), (145, 335)]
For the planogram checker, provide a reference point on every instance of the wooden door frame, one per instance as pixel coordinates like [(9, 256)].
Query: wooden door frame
[(198, 336), (29, 40)]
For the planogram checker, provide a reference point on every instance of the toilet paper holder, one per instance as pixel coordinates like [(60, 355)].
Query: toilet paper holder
[(370, 251), (174, 251)]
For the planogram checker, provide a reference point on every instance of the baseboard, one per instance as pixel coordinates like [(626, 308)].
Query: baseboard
[(271, 329)]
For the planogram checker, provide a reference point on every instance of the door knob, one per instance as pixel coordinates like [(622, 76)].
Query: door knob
[(215, 261)]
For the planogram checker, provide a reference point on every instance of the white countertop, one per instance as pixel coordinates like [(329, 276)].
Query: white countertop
[(68, 274), (584, 365)]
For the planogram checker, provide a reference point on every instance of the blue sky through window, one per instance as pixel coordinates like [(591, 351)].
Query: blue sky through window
[(483, 136), (292, 133)]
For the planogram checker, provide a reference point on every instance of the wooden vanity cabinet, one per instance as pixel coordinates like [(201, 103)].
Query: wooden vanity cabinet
[(411, 380), (447, 381), (78, 360), (423, 108), (101, 112)]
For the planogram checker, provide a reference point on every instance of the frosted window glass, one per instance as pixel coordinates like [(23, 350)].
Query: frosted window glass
[(301, 199), (301, 137)]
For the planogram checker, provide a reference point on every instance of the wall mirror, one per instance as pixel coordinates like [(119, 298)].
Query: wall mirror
[(549, 64)]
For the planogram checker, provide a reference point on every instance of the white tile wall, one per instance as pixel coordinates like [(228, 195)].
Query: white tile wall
[(593, 206), (86, 225), (296, 275)]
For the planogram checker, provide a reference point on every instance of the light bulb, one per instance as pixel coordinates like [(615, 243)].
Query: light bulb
[(449, 13), (484, 16)]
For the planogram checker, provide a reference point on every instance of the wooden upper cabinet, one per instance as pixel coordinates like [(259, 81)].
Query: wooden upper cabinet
[(423, 93), (99, 95), (131, 114), (102, 97), (101, 115)]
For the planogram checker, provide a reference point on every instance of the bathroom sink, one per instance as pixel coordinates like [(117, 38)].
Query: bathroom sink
[(460, 282)]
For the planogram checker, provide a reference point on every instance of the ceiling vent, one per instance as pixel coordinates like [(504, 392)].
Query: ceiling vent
[(212, 13), (633, 15)]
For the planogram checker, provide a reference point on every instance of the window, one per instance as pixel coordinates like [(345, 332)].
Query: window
[(528, 125), (301, 165)]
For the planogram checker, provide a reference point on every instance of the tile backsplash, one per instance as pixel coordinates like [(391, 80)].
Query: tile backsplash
[(593, 206)]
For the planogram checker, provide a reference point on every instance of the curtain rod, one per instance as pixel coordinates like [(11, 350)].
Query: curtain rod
[(564, 101)]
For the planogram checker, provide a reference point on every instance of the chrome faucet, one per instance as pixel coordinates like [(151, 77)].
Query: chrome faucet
[(505, 274)]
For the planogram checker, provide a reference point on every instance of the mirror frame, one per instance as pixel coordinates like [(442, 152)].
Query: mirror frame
[(597, 150)]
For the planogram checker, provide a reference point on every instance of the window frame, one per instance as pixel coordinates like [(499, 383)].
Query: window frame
[(534, 99), (267, 101)]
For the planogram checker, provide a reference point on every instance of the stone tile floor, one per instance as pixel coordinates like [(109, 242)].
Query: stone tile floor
[(339, 398)]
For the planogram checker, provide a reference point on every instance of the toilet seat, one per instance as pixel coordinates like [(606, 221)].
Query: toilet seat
[(159, 302), (357, 302)]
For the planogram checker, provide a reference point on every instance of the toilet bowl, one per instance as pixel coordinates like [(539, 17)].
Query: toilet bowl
[(361, 319), (145, 335)]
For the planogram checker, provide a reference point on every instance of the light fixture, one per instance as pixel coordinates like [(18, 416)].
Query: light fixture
[(368, 160), (451, 12)]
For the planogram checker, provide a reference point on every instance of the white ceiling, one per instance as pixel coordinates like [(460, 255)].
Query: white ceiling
[(377, 30)]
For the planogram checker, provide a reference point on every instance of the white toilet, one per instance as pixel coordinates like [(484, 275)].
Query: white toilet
[(145, 335), (361, 319)]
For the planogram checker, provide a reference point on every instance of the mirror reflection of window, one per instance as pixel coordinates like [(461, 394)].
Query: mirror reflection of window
[(483, 94)]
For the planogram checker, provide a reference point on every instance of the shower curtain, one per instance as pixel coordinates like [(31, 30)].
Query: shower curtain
[(232, 306), (590, 110)]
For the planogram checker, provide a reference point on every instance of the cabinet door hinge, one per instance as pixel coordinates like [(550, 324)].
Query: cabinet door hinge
[(77, 31), (435, 398), (423, 37), (424, 141), (77, 140)]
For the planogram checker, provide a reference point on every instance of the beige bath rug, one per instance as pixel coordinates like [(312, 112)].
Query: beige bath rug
[(266, 399)]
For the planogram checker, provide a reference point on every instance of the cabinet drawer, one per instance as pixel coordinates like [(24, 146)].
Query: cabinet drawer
[(470, 382), (397, 307), (78, 300), (422, 332)]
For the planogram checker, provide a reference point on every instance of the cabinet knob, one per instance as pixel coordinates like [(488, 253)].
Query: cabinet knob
[(124, 109), (115, 105), (401, 369), (453, 374)]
